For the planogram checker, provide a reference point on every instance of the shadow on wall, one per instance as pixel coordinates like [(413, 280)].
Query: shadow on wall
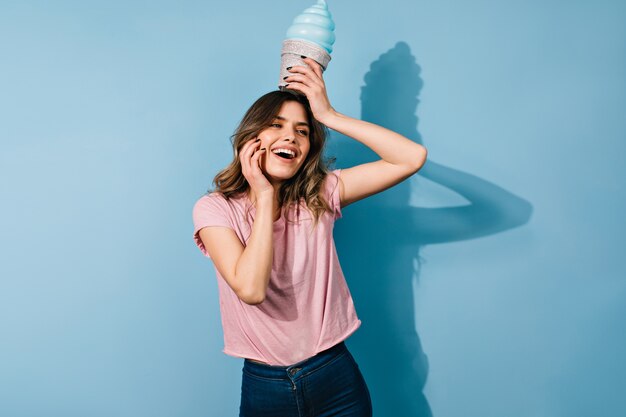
[(379, 239)]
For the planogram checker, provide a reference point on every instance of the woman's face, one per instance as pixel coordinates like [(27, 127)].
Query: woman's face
[(289, 131)]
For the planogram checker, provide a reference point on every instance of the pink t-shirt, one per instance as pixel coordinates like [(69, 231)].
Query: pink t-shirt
[(308, 306)]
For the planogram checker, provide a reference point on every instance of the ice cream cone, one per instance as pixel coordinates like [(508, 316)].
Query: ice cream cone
[(311, 35), (291, 55)]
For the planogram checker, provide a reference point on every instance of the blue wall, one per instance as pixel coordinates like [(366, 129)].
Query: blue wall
[(491, 284)]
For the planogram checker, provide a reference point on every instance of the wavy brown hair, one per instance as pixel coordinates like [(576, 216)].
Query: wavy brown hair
[(306, 183)]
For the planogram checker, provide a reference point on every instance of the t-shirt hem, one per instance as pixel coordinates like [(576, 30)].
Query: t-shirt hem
[(322, 348), (340, 339), (240, 355)]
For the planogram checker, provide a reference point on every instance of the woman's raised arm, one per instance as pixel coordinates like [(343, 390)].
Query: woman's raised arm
[(401, 157)]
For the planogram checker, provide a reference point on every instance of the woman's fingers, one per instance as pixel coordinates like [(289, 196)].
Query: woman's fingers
[(309, 81), (258, 181), (250, 157), (256, 165), (313, 71), (300, 83), (306, 81), (317, 68), (246, 154), (251, 145), (299, 87)]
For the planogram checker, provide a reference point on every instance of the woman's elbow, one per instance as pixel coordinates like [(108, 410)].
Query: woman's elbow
[(420, 159), (251, 297)]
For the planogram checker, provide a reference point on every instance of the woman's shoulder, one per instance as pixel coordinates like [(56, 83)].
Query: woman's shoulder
[(331, 180), (215, 195), (218, 200), (332, 191), (218, 196), (211, 197)]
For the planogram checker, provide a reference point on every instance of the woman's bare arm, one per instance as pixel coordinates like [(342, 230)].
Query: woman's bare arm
[(246, 269), (255, 264), (400, 156)]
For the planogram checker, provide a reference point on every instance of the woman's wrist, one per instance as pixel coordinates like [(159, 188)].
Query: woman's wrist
[(266, 197), (328, 118), (265, 205)]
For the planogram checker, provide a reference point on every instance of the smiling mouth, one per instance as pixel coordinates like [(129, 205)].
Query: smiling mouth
[(285, 157)]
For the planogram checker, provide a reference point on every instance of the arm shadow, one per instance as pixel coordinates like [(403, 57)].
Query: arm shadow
[(379, 239)]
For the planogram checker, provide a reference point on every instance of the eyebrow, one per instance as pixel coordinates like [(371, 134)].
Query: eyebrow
[(297, 123)]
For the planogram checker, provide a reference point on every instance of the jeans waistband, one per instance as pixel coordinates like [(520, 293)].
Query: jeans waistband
[(306, 366)]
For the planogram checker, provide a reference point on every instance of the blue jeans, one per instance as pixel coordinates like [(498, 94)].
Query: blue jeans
[(327, 384)]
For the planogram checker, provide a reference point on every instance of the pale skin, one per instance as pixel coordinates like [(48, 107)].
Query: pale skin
[(247, 269)]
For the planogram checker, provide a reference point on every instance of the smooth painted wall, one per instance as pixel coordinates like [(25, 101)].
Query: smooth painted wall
[(490, 284)]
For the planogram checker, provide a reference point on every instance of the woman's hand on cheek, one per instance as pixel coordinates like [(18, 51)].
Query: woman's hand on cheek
[(250, 159), (311, 83)]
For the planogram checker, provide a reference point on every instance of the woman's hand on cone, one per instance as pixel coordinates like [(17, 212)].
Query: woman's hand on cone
[(310, 82)]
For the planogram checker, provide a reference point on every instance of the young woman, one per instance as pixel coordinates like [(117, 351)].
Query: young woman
[(268, 228)]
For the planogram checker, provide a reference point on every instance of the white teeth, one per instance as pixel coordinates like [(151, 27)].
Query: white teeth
[(289, 151)]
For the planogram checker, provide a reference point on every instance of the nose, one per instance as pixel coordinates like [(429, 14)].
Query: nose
[(291, 133), (290, 137)]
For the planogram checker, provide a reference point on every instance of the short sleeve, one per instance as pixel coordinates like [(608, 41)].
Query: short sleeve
[(209, 210), (332, 192)]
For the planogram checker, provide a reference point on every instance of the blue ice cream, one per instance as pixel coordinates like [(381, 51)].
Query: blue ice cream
[(315, 25)]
